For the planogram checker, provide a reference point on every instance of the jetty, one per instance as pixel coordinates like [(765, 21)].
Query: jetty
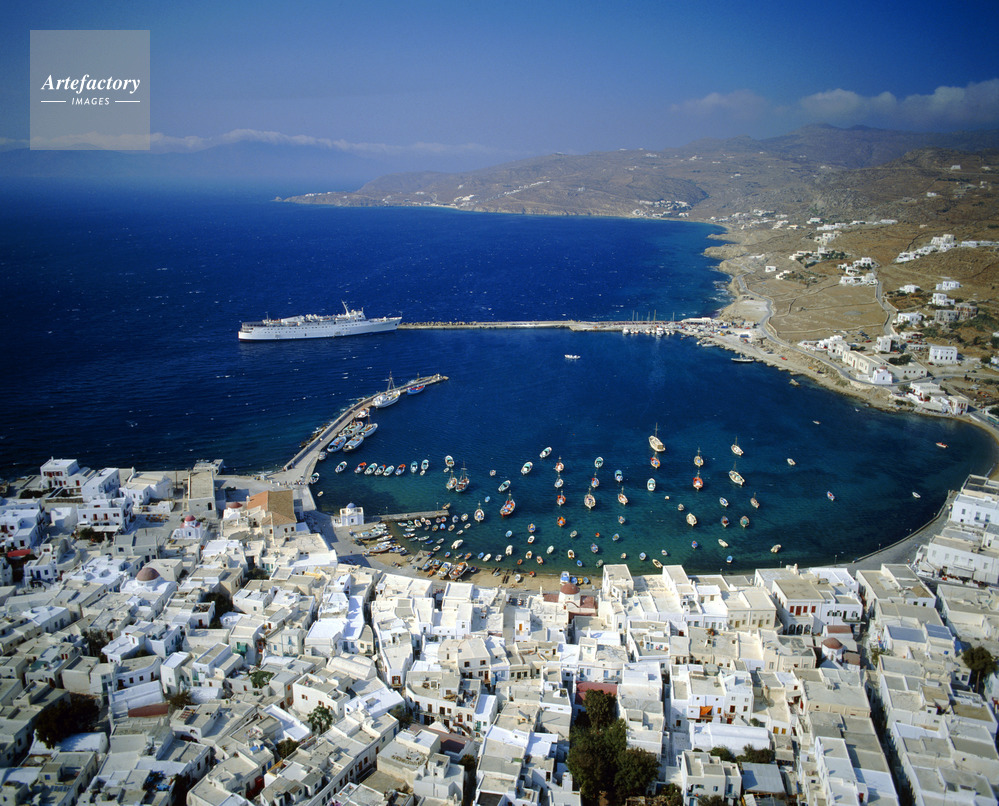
[(299, 470), (567, 324)]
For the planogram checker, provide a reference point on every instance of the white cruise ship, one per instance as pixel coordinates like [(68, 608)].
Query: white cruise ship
[(313, 326)]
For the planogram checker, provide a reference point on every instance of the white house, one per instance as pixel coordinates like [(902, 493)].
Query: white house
[(942, 354)]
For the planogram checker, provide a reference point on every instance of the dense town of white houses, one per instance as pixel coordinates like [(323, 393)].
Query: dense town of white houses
[(854, 682)]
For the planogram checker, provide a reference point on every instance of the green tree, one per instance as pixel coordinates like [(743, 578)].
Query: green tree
[(723, 753), (636, 770), (180, 699), (981, 662), (260, 677), (286, 747), (753, 756), (95, 641), (601, 708), (258, 573), (711, 800), (223, 605), (594, 758), (75, 714), (671, 795), (320, 719)]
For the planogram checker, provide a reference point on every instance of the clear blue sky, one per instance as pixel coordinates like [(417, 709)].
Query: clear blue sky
[(510, 79)]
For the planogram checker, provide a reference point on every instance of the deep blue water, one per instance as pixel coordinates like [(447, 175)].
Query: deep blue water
[(121, 310)]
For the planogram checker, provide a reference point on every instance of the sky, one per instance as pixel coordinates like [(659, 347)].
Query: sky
[(477, 83)]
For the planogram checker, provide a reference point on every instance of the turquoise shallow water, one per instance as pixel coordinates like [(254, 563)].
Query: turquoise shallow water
[(123, 308)]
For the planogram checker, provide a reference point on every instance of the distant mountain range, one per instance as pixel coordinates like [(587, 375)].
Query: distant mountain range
[(824, 169)]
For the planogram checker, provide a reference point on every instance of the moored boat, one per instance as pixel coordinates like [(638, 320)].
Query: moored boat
[(360, 467), (618, 476), (338, 442), (691, 519), (754, 501), (415, 390), (559, 467), (654, 461), (526, 468), (724, 521), (545, 453), (353, 443), (655, 443), (594, 548), (736, 476), (594, 482), (560, 500), (722, 543), (698, 460), (561, 520), (744, 521), (449, 460), (830, 496), (424, 465), (508, 507), (504, 486), (571, 554), (698, 482), (480, 514), (316, 326), (622, 498), (791, 461), (589, 500), (656, 563), (388, 397), (341, 467), (723, 502), (735, 447), (650, 485), (598, 462), (775, 548)]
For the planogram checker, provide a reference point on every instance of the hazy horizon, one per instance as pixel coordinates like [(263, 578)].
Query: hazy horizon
[(387, 86)]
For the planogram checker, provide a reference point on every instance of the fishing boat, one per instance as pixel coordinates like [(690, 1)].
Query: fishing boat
[(561, 520), (735, 447), (698, 460), (598, 462), (589, 500), (654, 461), (337, 443), (698, 482), (559, 467), (353, 443), (360, 467), (449, 460), (736, 477), (415, 390), (650, 485), (571, 554), (341, 467), (526, 468), (594, 548), (754, 501), (463, 481), (480, 514), (791, 461), (452, 482), (744, 521), (400, 469), (388, 397), (504, 486), (424, 465), (560, 500), (722, 543), (545, 453), (724, 521), (723, 502), (775, 548), (508, 507), (691, 519), (622, 498), (618, 476), (389, 470), (558, 482), (655, 443), (594, 482), (830, 496)]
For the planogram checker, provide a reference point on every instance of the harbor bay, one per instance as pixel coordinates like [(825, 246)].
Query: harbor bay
[(154, 376)]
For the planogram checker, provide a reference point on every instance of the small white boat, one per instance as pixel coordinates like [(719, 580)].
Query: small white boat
[(526, 468), (723, 502), (775, 548), (650, 485), (915, 494), (598, 462), (735, 448), (544, 454), (791, 461), (722, 543), (341, 467), (691, 519)]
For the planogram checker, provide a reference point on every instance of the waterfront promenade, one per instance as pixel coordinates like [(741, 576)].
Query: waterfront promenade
[(300, 468)]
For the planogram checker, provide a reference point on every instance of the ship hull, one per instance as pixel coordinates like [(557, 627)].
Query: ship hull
[(264, 331)]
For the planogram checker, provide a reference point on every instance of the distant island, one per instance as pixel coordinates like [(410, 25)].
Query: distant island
[(832, 235)]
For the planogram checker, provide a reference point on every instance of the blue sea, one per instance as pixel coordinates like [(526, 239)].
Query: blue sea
[(121, 307)]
